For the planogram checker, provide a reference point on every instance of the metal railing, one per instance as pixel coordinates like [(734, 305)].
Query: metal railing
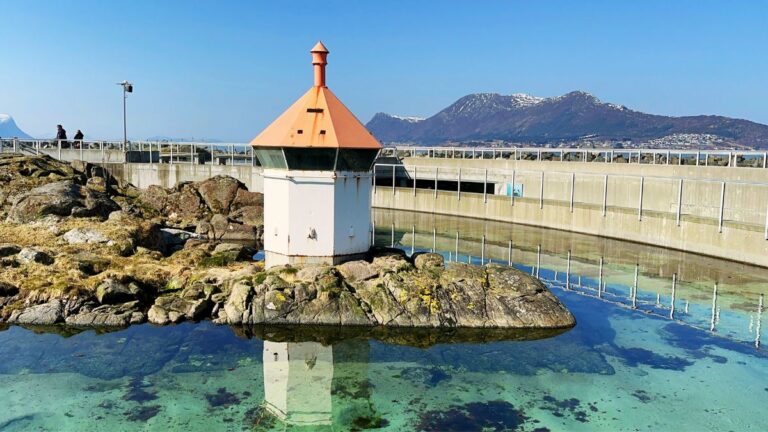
[(707, 200), (595, 278), (136, 151), (726, 158)]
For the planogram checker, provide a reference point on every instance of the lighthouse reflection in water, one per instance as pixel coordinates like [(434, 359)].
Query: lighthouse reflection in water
[(300, 385)]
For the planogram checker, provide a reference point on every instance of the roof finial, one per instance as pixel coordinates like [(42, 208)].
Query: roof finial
[(319, 54)]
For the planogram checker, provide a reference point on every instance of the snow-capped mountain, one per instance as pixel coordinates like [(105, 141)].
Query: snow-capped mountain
[(8, 128), (526, 118)]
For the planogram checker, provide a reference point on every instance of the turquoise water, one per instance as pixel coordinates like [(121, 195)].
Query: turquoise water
[(619, 369)]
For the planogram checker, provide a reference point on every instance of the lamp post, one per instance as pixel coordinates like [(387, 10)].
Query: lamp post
[(127, 88)]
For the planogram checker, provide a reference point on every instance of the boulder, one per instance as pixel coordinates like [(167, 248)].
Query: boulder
[(121, 315), (113, 291), (219, 192), (394, 263), (84, 235), (172, 309), (428, 260), (42, 314), (63, 198), (221, 228), (7, 249), (30, 255), (244, 199), (249, 216), (234, 251), (155, 198), (58, 198), (356, 294), (354, 271)]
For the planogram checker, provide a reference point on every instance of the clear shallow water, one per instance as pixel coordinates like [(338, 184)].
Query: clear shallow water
[(618, 369)]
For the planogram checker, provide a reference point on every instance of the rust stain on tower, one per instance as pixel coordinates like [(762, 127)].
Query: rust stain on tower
[(318, 119)]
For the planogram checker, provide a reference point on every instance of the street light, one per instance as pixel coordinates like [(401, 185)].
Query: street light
[(127, 88)]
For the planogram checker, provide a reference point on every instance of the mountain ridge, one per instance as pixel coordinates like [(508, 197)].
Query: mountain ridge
[(570, 117), (9, 129)]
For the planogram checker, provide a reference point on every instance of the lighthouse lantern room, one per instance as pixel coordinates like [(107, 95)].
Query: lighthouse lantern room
[(317, 160)]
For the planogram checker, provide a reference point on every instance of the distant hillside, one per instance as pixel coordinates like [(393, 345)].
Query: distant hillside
[(571, 117), (8, 128)]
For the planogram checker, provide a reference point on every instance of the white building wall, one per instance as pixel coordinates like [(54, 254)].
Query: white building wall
[(352, 206), (315, 216)]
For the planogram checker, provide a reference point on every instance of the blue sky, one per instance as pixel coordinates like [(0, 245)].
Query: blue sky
[(225, 69)]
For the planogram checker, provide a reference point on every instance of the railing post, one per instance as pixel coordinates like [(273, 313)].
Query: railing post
[(758, 326), (512, 195), (712, 321), (600, 280), (482, 251), (672, 301), (640, 203), (722, 205), (149, 144), (15, 145), (698, 156), (509, 254), (456, 254), (415, 168), (573, 186), (436, 171), (171, 153), (458, 188), (81, 149), (538, 260), (392, 235), (373, 179), (394, 169), (485, 187), (541, 192), (766, 223), (59, 146), (192, 154), (232, 154), (765, 159), (679, 200), (605, 193), (568, 272), (101, 145), (434, 239), (413, 239), (634, 287)]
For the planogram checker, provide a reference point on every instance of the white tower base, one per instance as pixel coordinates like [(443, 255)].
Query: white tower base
[(316, 217)]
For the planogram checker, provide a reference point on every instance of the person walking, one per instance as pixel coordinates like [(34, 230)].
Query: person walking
[(78, 138), (61, 136)]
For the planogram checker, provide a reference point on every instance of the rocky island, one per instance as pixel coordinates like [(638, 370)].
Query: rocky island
[(79, 248)]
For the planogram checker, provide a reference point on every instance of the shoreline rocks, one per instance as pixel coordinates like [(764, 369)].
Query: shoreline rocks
[(78, 249)]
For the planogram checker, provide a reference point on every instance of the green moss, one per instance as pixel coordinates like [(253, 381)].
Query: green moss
[(218, 260), (259, 278)]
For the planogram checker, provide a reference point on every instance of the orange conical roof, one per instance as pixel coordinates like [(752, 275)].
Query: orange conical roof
[(317, 120), (319, 47)]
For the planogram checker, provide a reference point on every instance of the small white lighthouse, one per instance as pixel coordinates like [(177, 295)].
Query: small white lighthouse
[(317, 159)]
